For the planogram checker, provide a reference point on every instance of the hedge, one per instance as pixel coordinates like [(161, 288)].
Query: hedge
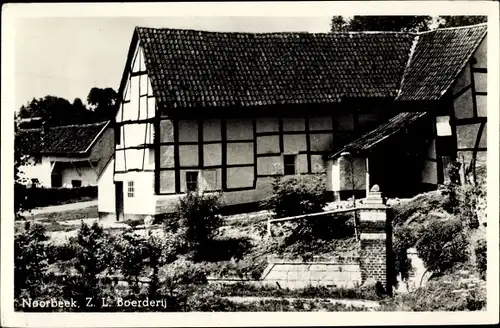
[(41, 196)]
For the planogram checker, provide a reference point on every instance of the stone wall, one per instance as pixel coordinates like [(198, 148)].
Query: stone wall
[(332, 272)]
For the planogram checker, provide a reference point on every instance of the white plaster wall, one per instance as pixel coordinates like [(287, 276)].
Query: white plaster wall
[(270, 165), (358, 172), (333, 175), (143, 201), (39, 171), (293, 143), (267, 124), (239, 129), (294, 124), (106, 190), (188, 130), (86, 174), (240, 177), (240, 153), (320, 123), (212, 130)]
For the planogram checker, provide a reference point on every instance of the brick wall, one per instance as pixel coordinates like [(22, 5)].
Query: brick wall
[(375, 240), (373, 261)]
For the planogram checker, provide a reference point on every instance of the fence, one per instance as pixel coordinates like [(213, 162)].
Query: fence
[(308, 216)]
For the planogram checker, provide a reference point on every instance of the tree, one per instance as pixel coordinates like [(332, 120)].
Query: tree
[(454, 21), (338, 24), (55, 111), (381, 23), (104, 101)]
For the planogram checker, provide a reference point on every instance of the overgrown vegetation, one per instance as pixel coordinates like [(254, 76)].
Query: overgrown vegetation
[(296, 195), (197, 243), (443, 227)]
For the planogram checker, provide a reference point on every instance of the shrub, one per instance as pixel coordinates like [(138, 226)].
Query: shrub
[(404, 238), (42, 196), (481, 257), (442, 244), (131, 255), (296, 195), (418, 207), (30, 261), (178, 280), (197, 221), (61, 252), (206, 300), (93, 256)]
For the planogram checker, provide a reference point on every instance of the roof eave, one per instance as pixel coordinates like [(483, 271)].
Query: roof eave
[(101, 132)]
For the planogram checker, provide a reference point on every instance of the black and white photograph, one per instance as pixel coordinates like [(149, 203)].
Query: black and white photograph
[(238, 161)]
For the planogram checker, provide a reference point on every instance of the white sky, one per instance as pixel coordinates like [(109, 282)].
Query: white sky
[(66, 57)]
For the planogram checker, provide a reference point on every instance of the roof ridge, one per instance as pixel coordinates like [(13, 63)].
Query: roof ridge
[(275, 33), (453, 28), (408, 63), (79, 125)]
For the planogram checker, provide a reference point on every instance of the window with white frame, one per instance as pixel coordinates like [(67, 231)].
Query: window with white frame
[(130, 189)]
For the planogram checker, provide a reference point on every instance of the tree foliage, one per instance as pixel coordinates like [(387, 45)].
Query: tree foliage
[(399, 23), (455, 21), (104, 101), (54, 111), (381, 23)]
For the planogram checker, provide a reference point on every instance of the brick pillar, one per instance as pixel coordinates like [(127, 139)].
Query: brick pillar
[(376, 240)]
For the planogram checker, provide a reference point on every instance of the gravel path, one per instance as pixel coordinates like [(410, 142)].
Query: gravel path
[(62, 208)]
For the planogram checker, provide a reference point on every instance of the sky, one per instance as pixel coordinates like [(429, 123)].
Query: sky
[(66, 57)]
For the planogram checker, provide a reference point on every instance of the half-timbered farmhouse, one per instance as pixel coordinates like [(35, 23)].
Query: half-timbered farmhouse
[(229, 111)]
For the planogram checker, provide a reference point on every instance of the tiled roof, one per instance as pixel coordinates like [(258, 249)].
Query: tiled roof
[(60, 140), (437, 59), (381, 133), (206, 69), (191, 68)]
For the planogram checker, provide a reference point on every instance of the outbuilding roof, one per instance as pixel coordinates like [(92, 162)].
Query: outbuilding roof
[(68, 140), (437, 59), (384, 131), (189, 68)]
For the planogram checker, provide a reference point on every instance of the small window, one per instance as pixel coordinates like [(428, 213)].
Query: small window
[(76, 183), (130, 189), (443, 126), (289, 164), (192, 181), (38, 159)]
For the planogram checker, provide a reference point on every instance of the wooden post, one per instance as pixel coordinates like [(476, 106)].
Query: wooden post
[(367, 178), (269, 227)]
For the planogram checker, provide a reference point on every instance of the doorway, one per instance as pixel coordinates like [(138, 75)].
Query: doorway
[(119, 200)]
